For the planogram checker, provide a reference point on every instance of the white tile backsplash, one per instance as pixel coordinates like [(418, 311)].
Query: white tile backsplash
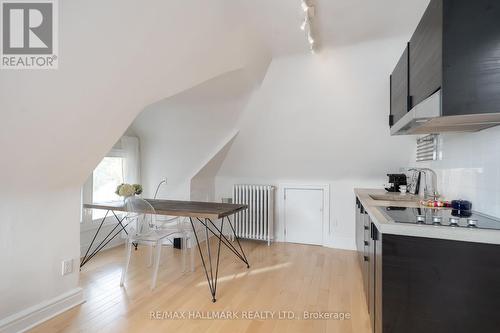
[(469, 168)]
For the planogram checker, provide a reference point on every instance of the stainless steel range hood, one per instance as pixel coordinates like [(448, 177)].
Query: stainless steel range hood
[(425, 118)]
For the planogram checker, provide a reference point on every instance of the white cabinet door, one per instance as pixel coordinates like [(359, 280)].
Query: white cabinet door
[(303, 211)]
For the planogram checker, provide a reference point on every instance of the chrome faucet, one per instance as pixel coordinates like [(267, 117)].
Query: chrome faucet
[(430, 191)]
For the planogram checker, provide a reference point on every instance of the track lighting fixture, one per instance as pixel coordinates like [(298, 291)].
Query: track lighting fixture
[(306, 25)]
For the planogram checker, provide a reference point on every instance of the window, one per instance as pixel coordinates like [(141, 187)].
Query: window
[(101, 185), (105, 178), (121, 165)]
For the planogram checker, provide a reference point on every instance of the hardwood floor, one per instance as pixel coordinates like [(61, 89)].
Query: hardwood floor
[(282, 277)]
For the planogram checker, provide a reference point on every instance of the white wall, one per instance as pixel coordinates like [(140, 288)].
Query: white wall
[(37, 232), (178, 134), (202, 187), (469, 168), (321, 119), (87, 233)]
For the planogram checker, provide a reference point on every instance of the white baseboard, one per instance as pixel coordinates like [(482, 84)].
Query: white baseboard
[(37, 314)]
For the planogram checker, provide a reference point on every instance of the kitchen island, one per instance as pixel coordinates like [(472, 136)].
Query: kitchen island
[(425, 278)]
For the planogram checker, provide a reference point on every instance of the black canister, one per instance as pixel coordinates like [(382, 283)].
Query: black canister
[(461, 208)]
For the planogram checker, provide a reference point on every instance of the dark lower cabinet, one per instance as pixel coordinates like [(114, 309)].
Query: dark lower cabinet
[(359, 230), (377, 301), (369, 246), (439, 286), (427, 285), (365, 267), (371, 278), (362, 242), (375, 277)]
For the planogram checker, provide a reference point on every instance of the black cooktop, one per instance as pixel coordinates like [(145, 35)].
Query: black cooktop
[(441, 217)]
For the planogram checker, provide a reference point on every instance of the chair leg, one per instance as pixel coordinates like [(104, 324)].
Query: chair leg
[(157, 264), (183, 250), (191, 249), (150, 261), (191, 252), (128, 250)]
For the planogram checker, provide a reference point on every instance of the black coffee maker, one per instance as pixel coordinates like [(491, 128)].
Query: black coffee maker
[(395, 180)]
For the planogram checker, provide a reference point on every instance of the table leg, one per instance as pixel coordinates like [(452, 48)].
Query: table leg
[(93, 239), (226, 241), (238, 241), (210, 282), (211, 279), (105, 241)]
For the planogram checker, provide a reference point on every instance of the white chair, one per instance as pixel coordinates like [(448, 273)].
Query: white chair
[(141, 215), (178, 222), (190, 240), (186, 234)]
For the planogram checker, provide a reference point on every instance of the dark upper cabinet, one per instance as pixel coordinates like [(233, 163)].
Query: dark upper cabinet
[(426, 54), (456, 49), (471, 57), (399, 88)]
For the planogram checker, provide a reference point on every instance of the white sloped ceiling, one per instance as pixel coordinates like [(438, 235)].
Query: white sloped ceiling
[(116, 57)]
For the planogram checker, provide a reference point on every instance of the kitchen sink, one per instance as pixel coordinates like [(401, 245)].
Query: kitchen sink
[(395, 197)]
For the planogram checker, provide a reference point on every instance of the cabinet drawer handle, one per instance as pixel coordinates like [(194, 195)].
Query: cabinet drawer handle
[(367, 228), (365, 258), (366, 243)]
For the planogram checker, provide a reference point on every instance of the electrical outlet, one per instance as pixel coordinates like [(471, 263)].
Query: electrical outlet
[(67, 267)]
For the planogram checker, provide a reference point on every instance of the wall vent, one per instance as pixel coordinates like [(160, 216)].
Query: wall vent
[(427, 148)]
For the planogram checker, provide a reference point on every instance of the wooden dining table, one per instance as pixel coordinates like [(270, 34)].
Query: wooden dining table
[(204, 213)]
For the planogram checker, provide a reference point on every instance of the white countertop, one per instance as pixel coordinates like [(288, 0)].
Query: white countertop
[(386, 226)]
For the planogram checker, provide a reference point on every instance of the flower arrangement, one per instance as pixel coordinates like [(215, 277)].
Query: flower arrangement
[(128, 190)]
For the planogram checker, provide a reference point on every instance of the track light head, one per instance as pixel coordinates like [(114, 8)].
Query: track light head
[(304, 24), (310, 39), (305, 6)]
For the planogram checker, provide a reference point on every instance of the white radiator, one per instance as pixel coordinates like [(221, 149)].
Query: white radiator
[(257, 221)]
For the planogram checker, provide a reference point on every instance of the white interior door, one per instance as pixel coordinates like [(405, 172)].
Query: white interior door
[(303, 210)]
